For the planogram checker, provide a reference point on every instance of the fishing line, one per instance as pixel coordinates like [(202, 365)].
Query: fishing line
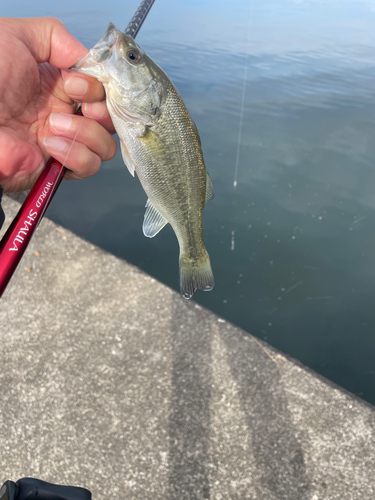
[(51, 193), (242, 109), (239, 140)]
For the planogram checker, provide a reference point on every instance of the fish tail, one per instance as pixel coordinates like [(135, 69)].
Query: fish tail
[(195, 274)]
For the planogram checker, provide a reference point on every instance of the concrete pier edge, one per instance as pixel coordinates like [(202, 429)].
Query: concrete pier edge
[(111, 381)]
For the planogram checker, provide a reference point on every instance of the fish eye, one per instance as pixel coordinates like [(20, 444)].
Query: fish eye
[(133, 55)]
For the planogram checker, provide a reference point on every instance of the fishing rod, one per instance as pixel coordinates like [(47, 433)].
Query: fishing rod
[(18, 236)]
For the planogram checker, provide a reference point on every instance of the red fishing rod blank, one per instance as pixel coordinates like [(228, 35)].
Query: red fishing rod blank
[(17, 238)]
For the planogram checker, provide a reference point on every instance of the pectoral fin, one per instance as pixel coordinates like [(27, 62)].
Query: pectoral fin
[(153, 221), (153, 143), (209, 188), (127, 160)]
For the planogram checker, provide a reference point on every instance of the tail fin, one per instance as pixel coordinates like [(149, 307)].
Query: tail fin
[(195, 275)]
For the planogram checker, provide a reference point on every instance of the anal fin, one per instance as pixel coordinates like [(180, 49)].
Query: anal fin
[(153, 221)]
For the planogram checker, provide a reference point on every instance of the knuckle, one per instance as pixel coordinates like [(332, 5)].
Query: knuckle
[(87, 163), (96, 164), (54, 21), (111, 149), (93, 164)]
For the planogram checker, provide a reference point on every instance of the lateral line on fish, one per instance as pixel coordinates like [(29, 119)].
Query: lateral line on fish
[(239, 140), (62, 166)]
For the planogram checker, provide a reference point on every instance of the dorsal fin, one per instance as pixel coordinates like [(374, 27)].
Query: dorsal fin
[(153, 221)]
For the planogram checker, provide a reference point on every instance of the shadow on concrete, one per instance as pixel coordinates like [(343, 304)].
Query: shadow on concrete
[(275, 449), (189, 419), (276, 446)]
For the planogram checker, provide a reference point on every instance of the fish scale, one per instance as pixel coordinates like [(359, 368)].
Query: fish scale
[(160, 142)]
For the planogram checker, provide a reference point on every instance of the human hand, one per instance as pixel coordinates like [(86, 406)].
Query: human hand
[(36, 105)]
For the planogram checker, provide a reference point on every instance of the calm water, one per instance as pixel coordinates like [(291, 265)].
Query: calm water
[(293, 246)]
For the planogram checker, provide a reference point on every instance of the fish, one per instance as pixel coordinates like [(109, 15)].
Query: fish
[(161, 144)]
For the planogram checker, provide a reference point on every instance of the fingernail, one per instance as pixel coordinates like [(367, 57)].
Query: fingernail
[(95, 109), (54, 143), (76, 86), (61, 121)]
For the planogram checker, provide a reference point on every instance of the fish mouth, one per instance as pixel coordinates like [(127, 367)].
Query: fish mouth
[(105, 50), (90, 65)]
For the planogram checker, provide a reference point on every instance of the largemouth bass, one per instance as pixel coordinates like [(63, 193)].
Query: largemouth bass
[(160, 142)]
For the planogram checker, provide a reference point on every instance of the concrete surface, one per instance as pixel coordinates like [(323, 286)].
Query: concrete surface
[(111, 381)]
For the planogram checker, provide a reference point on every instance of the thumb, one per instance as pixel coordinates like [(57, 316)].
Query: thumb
[(49, 41)]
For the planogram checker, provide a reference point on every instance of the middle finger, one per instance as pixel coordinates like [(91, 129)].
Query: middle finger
[(84, 130)]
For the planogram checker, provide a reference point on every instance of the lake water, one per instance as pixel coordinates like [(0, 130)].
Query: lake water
[(283, 94)]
